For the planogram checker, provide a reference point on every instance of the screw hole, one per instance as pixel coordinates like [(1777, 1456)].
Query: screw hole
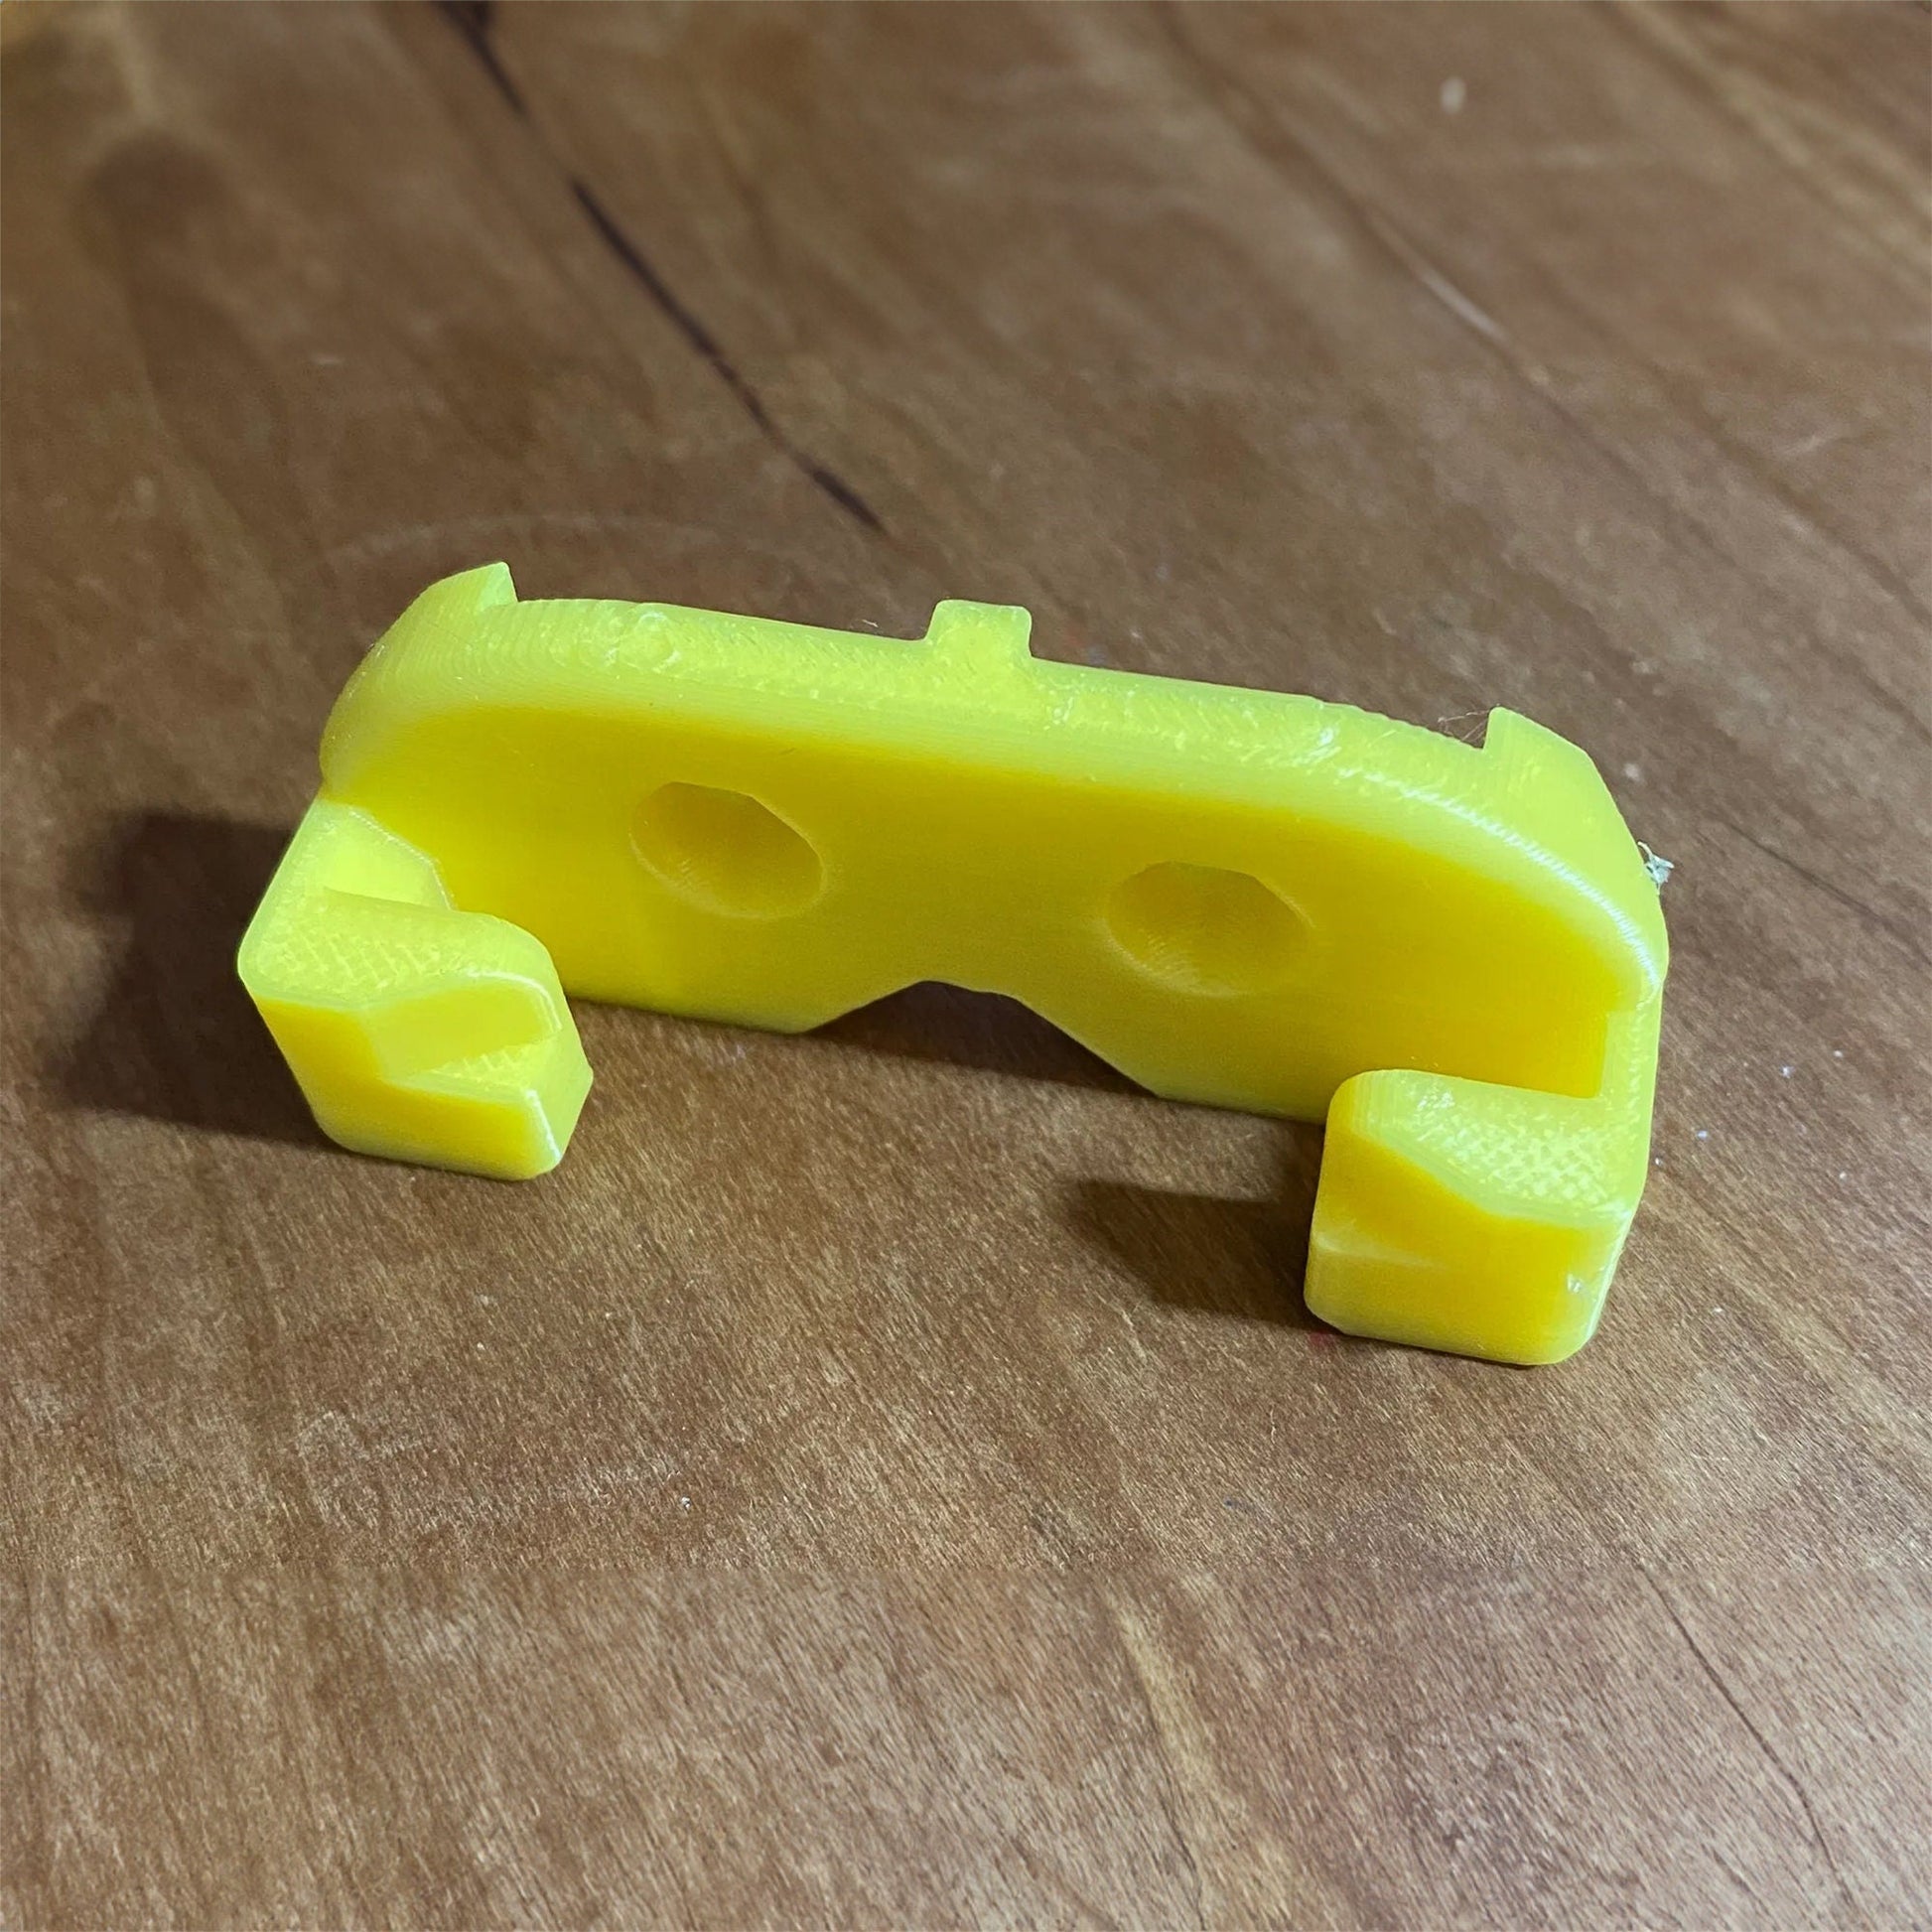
[(1203, 929), (727, 853)]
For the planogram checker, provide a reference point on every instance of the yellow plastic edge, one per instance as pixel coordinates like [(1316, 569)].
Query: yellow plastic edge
[(1453, 954)]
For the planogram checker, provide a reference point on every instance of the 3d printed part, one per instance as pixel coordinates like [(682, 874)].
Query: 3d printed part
[(1452, 954)]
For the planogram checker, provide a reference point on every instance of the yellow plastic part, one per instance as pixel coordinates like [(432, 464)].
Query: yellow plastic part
[(1452, 954)]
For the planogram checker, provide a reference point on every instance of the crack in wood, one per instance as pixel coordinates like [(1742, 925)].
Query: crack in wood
[(1869, 915), (707, 346), (1792, 1782), (472, 20)]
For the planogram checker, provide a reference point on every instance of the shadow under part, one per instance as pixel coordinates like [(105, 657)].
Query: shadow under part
[(1240, 1259), (176, 1037)]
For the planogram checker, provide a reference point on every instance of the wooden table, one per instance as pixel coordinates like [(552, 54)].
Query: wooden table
[(888, 1477)]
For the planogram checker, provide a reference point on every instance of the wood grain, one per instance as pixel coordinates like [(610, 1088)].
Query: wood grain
[(888, 1477)]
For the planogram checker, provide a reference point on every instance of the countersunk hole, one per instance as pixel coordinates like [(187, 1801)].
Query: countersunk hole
[(724, 851), (1203, 929)]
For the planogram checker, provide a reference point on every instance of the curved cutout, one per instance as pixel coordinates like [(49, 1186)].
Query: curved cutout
[(727, 853), (1206, 930)]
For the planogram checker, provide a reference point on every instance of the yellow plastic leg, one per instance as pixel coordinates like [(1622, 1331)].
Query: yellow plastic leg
[(1455, 954), (416, 1031)]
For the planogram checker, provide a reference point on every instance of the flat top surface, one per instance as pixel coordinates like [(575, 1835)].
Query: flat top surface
[(888, 1476)]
